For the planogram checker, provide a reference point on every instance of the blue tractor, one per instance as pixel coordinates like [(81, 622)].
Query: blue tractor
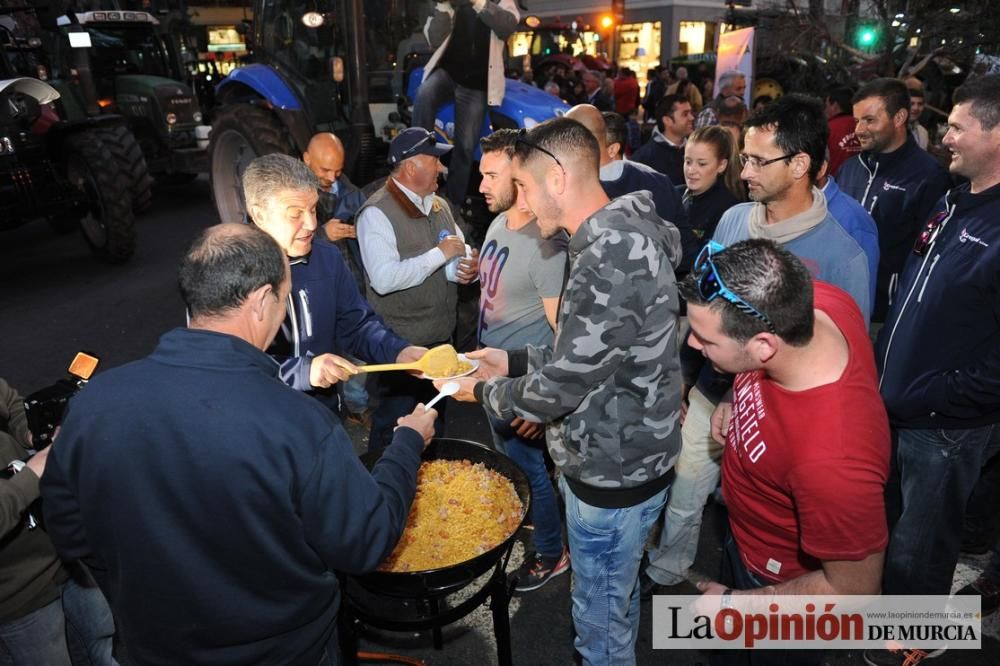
[(336, 66)]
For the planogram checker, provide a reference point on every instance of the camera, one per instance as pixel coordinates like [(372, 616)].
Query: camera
[(45, 407)]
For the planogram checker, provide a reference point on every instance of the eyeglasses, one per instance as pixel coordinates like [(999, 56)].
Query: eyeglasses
[(521, 133), (929, 233), (711, 286), (409, 151), (757, 164)]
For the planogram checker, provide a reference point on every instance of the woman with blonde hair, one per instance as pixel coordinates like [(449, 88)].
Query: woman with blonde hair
[(712, 185)]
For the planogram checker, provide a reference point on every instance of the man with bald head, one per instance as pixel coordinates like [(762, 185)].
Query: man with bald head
[(619, 176), (609, 386), (339, 201)]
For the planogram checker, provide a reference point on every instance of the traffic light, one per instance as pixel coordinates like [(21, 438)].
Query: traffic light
[(867, 37)]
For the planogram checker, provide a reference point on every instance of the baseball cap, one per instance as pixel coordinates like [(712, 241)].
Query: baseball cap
[(415, 141)]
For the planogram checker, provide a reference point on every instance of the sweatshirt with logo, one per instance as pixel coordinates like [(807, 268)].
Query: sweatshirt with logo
[(938, 356), (898, 189)]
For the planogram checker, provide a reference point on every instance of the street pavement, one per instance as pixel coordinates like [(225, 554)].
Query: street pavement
[(55, 300)]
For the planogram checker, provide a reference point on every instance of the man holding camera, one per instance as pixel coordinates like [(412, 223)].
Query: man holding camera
[(45, 615), (467, 67)]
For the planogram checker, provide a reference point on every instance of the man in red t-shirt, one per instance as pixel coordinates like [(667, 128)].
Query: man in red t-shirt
[(842, 142), (806, 436)]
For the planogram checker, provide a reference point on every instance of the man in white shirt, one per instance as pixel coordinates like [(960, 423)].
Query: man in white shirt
[(414, 254)]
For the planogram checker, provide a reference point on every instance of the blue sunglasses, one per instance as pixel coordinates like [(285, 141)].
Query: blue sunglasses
[(711, 286)]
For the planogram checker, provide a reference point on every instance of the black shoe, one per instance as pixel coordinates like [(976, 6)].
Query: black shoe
[(987, 590), (537, 571)]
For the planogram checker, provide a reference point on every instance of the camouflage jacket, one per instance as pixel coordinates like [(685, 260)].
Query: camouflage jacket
[(609, 388)]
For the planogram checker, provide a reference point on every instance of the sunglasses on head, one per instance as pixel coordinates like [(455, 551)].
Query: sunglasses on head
[(409, 151), (711, 286), (521, 133)]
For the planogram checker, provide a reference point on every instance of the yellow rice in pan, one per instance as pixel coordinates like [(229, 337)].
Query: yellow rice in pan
[(461, 510)]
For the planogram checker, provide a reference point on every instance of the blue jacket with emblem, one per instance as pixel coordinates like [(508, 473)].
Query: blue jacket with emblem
[(327, 314), (898, 189), (938, 356)]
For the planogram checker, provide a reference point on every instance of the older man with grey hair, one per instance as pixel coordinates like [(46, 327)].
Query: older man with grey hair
[(327, 317), (732, 82)]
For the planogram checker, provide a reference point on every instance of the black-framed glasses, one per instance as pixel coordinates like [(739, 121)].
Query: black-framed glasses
[(711, 286), (409, 151), (521, 133), (757, 164), (929, 233)]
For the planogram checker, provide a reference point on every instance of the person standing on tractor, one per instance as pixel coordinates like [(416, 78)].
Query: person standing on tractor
[(467, 67)]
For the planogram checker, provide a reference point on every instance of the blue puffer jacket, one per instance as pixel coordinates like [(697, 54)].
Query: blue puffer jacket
[(326, 314), (938, 355)]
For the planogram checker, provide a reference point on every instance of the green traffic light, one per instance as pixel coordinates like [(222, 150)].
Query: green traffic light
[(867, 37)]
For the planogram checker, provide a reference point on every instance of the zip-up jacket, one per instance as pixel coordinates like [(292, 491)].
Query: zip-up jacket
[(327, 314), (938, 353), (218, 503), (898, 189), (609, 387)]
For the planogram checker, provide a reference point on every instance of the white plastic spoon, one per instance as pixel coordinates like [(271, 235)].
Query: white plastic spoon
[(451, 388)]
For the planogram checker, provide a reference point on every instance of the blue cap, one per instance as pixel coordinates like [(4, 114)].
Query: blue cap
[(415, 141)]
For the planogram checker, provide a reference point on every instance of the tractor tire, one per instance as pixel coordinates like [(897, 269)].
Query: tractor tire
[(240, 134), (109, 225), (126, 152)]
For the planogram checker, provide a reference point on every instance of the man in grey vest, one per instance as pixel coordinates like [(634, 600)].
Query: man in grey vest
[(414, 254)]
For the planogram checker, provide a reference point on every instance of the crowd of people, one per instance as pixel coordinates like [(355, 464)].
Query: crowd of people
[(799, 303)]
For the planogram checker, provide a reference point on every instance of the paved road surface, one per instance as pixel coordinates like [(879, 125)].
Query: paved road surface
[(55, 299)]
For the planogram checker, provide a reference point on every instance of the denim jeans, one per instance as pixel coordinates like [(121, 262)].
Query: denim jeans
[(354, 395), (737, 576), (934, 473), (697, 470), (530, 459), (90, 627), (606, 546), (470, 110), (36, 638)]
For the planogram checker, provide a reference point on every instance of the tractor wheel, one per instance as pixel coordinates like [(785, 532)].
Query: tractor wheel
[(126, 152), (109, 224), (240, 134)]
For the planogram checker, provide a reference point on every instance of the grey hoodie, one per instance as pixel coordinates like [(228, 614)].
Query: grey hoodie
[(609, 387)]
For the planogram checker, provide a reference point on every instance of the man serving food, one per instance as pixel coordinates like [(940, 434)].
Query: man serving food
[(326, 313)]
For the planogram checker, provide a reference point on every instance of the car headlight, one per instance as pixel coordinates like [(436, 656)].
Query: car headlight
[(529, 122), (171, 118), (196, 116)]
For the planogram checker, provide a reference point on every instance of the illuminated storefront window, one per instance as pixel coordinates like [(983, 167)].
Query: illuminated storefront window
[(692, 37), (225, 39), (639, 48)]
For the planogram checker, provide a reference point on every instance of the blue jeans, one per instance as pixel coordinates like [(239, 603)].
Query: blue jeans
[(530, 459), (90, 627), (36, 638), (470, 110), (736, 575), (934, 473), (353, 393), (606, 546)]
